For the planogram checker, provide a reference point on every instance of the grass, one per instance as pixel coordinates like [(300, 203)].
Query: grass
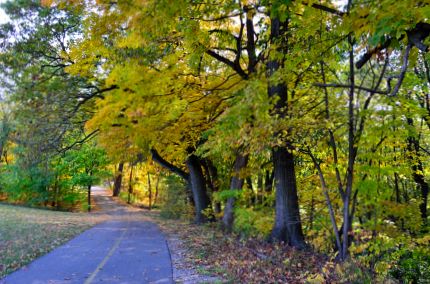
[(27, 233)]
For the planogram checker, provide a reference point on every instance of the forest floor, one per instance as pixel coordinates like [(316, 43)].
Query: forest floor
[(231, 259)]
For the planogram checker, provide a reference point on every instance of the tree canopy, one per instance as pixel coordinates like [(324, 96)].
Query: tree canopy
[(313, 116)]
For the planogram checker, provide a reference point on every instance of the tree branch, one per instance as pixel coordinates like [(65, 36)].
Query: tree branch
[(402, 71), (322, 85), (165, 164), (228, 62)]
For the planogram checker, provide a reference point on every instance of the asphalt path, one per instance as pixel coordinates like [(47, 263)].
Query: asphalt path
[(124, 249)]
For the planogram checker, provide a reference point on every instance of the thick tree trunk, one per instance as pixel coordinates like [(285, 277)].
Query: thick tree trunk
[(118, 180), (235, 184), (198, 187), (288, 226)]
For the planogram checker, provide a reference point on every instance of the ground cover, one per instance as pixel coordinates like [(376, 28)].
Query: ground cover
[(27, 233)]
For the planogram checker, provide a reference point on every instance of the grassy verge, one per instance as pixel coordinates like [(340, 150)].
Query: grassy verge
[(27, 233)]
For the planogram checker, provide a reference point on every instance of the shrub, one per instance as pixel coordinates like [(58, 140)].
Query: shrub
[(252, 223), (412, 267), (174, 203)]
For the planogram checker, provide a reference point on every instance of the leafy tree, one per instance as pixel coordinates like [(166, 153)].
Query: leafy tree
[(86, 166)]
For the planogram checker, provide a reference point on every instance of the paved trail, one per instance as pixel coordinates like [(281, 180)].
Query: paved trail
[(125, 249)]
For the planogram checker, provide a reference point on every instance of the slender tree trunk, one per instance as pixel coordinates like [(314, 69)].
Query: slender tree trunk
[(89, 198), (215, 185), (156, 189), (347, 218), (55, 202), (253, 200), (130, 184), (396, 187), (418, 171), (212, 182), (236, 183), (149, 191), (311, 214), (268, 184), (198, 187), (118, 180), (268, 181)]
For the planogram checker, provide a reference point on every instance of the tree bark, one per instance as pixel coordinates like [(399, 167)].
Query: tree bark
[(198, 187), (118, 180), (236, 183), (288, 225), (352, 150)]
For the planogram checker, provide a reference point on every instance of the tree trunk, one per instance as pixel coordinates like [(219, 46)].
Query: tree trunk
[(311, 214), (235, 184), (118, 180), (89, 198), (352, 151), (396, 187), (198, 187), (418, 171), (288, 225), (130, 184), (268, 185), (156, 189), (149, 191), (212, 181), (268, 181)]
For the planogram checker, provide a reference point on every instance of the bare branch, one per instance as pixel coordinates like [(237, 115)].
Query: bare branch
[(402, 71), (322, 85)]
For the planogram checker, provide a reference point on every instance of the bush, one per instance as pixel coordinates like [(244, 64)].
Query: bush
[(252, 223), (174, 203), (28, 186), (413, 267)]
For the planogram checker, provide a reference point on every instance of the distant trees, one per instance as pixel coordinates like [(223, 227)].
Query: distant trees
[(46, 107)]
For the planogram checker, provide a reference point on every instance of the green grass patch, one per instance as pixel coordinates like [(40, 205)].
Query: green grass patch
[(27, 233)]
